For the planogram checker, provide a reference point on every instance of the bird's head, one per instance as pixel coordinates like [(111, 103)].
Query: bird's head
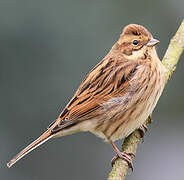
[(135, 40)]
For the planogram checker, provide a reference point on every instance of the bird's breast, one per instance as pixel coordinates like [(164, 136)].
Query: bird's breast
[(124, 114)]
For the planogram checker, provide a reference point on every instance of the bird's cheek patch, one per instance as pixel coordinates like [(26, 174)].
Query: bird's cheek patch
[(127, 51)]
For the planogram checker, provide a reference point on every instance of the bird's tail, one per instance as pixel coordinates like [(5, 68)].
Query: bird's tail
[(43, 138)]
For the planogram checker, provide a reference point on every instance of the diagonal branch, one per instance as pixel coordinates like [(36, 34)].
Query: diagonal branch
[(130, 144)]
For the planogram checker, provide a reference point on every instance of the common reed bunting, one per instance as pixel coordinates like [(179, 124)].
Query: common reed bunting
[(117, 95)]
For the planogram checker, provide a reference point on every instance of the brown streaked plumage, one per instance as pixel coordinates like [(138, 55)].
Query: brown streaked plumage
[(116, 96)]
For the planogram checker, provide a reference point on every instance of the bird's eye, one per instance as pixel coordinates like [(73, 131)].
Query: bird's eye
[(135, 42)]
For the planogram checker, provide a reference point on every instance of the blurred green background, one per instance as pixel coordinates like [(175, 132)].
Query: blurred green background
[(46, 49)]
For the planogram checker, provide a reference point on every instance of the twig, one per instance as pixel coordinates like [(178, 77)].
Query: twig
[(130, 144)]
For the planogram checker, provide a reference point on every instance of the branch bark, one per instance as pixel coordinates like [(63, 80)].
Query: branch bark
[(130, 144)]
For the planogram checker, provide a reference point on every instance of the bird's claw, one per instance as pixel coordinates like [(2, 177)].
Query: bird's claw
[(142, 129), (125, 156)]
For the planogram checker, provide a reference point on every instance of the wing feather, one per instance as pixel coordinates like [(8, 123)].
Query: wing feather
[(107, 80)]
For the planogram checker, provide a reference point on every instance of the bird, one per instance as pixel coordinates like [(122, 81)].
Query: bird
[(116, 96)]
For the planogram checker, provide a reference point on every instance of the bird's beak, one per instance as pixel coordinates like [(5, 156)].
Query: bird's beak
[(152, 42)]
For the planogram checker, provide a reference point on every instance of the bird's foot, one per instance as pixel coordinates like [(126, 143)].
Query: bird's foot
[(125, 156), (142, 129)]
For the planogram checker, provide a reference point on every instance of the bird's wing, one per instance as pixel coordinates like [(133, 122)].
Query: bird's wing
[(107, 79)]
